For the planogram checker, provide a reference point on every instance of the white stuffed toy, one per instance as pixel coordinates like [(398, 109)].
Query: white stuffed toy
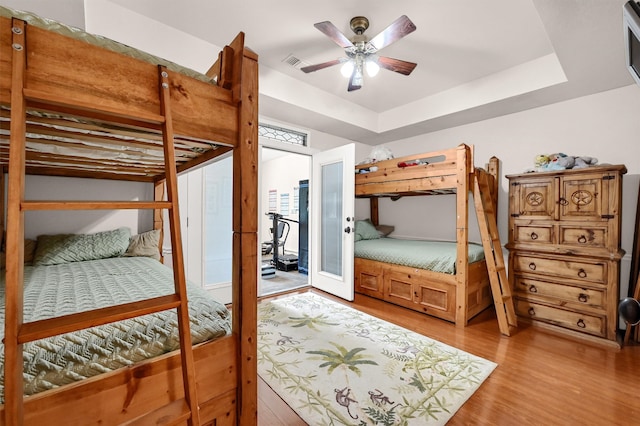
[(378, 153)]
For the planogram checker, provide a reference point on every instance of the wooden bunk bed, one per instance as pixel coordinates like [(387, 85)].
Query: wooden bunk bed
[(71, 105), (465, 291)]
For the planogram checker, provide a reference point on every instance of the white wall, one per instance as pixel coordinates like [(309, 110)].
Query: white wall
[(70, 12), (605, 125), (125, 26)]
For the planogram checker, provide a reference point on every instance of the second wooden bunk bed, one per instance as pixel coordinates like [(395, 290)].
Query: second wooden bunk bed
[(455, 297), (79, 109)]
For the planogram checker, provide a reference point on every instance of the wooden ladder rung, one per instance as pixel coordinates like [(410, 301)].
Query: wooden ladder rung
[(94, 205), (35, 330)]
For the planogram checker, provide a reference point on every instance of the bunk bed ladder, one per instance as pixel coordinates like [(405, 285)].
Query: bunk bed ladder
[(171, 179), (500, 288), (18, 332)]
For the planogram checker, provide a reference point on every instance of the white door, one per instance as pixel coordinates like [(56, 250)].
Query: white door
[(332, 221)]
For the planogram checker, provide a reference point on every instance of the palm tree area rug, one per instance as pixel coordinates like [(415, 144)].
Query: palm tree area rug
[(335, 365)]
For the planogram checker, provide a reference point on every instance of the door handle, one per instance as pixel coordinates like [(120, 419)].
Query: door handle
[(347, 229)]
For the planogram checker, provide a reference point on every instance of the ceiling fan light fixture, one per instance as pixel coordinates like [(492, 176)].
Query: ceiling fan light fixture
[(347, 69), (372, 68), (360, 51), (357, 78)]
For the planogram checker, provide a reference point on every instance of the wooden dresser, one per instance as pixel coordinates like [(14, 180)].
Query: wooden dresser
[(564, 249)]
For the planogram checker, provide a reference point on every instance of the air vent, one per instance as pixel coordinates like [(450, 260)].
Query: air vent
[(294, 62)]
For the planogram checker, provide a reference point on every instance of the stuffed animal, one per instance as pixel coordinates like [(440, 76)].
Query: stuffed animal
[(378, 153), (560, 161), (582, 162)]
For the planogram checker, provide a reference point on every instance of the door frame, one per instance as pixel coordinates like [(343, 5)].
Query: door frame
[(291, 149)]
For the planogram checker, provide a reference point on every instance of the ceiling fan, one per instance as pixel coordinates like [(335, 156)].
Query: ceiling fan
[(362, 53)]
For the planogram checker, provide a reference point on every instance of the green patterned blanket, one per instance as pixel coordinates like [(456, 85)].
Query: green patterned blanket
[(436, 256), (80, 286)]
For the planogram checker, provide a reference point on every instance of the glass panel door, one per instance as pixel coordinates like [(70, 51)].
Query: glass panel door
[(332, 223)]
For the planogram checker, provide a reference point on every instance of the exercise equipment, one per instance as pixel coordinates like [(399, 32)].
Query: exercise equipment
[(280, 231)]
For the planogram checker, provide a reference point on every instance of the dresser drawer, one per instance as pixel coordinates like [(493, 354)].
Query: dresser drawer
[(575, 296), (586, 323), (583, 237), (595, 272), (533, 234)]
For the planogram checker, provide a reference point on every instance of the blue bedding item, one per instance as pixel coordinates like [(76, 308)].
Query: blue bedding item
[(56, 290), (436, 256)]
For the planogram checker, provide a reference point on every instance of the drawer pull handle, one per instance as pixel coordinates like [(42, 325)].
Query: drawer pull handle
[(582, 239), (532, 266), (532, 312), (533, 289), (583, 297), (582, 273), (563, 201), (534, 236), (581, 323)]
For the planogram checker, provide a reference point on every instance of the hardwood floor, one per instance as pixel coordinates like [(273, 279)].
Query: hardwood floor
[(541, 378)]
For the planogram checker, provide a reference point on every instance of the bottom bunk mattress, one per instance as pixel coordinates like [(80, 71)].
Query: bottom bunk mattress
[(51, 291), (436, 256)]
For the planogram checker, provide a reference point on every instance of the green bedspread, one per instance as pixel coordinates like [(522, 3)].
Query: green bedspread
[(436, 256), (80, 286)]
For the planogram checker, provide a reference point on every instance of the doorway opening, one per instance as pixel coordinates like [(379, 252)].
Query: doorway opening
[(283, 221)]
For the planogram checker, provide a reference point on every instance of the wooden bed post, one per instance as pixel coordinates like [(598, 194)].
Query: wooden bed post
[(2, 205), (13, 381), (464, 166), (373, 205), (245, 230), (493, 168)]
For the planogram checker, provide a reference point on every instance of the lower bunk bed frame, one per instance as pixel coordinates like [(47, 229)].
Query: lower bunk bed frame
[(458, 297), (190, 122)]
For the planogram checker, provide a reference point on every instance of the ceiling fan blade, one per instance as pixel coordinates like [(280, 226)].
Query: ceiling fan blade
[(316, 67), (394, 32), (396, 65), (333, 33)]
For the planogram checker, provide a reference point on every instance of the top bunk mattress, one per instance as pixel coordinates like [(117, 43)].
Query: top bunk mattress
[(95, 106), (436, 256), (98, 40), (56, 290)]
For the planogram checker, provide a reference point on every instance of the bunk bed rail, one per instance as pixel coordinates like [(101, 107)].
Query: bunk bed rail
[(78, 117), (430, 173)]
